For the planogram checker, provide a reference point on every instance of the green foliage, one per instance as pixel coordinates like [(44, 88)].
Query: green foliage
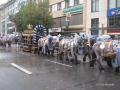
[(33, 13)]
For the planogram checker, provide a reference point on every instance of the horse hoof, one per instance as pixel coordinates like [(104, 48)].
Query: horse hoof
[(117, 69), (67, 60), (103, 71), (91, 67), (77, 63), (71, 60), (84, 59)]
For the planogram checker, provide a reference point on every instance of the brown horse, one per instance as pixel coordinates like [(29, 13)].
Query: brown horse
[(102, 49), (87, 47)]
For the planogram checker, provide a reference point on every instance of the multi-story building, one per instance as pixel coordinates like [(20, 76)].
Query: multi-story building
[(10, 7), (75, 8), (96, 17), (103, 17), (113, 17), (1, 6)]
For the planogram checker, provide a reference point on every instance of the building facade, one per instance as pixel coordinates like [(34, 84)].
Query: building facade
[(74, 24), (113, 17), (103, 17), (1, 6), (10, 7), (96, 18)]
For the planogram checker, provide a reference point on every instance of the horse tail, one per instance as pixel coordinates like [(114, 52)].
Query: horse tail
[(93, 58)]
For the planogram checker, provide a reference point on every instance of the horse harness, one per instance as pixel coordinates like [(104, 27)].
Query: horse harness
[(103, 47)]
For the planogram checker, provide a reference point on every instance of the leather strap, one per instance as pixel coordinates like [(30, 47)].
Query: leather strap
[(102, 50)]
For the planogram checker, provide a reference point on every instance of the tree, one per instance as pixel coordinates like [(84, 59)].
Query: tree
[(33, 13)]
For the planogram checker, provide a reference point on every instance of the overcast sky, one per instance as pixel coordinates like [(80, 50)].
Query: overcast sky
[(3, 1)]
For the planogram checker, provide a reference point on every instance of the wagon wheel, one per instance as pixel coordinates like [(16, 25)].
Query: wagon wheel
[(32, 50)]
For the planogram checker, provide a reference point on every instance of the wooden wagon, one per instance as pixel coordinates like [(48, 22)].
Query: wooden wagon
[(27, 41)]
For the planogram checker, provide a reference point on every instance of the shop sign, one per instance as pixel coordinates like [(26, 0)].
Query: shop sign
[(73, 9), (113, 12), (113, 31), (55, 30)]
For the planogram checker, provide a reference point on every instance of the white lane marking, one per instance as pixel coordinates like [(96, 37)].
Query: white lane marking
[(24, 54), (20, 68), (59, 63)]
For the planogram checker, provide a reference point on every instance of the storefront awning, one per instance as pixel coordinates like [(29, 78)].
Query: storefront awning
[(112, 32), (105, 28), (65, 29)]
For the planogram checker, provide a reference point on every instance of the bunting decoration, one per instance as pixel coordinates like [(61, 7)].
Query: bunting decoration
[(40, 27)]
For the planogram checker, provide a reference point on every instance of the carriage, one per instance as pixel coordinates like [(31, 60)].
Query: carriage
[(27, 41)]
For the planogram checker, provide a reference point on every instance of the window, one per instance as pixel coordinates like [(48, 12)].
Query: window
[(80, 1), (113, 4), (114, 22), (71, 3), (76, 2), (55, 7), (66, 3), (59, 6), (95, 23), (62, 5), (118, 3), (95, 5)]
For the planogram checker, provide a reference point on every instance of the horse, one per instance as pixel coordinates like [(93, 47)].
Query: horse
[(9, 41), (46, 45), (87, 47), (70, 44), (103, 49), (55, 44), (41, 44)]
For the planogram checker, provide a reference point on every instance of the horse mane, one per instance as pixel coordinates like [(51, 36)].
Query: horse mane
[(92, 41)]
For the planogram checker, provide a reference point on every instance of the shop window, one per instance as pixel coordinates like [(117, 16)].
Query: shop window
[(59, 6), (95, 5), (66, 3), (95, 23), (62, 5), (114, 22)]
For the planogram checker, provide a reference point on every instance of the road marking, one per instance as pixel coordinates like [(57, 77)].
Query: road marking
[(59, 63), (20, 68), (24, 54)]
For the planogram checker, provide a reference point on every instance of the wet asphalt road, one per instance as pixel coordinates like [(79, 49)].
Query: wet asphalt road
[(51, 73)]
